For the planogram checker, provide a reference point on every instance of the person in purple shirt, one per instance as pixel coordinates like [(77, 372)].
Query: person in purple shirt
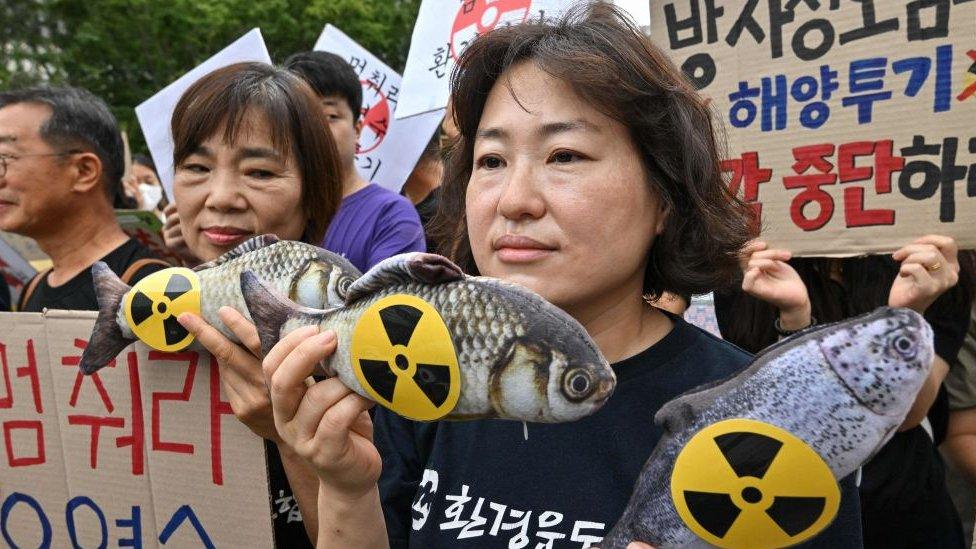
[(372, 223)]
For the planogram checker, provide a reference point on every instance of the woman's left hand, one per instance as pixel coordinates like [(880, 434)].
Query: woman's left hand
[(240, 368), (929, 267)]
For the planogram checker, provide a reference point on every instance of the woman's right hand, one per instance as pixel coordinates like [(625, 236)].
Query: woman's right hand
[(768, 276), (326, 423)]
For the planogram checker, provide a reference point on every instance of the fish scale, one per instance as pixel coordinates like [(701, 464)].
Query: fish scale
[(807, 386), (465, 329), (220, 286)]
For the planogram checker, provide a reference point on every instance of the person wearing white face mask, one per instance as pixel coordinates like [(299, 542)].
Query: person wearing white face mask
[(143, 186)]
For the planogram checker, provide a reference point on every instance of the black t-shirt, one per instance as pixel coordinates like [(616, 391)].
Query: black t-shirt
[(494, 483), (4, 294), (289, 528), (78, 294)]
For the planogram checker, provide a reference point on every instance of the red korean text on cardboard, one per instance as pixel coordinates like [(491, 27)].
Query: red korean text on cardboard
[(146, 452)]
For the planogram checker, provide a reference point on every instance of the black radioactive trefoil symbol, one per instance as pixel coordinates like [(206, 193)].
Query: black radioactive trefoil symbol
[(143, 307), (399, 324), (750, 455)]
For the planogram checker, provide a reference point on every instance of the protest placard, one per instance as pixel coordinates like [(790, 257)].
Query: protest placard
[(849, 123), (147, 229), (388, 148), (155, 113), (443, 30), (146, 452)]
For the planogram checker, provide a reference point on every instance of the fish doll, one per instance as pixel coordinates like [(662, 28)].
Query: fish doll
[(753, 461), (147, 311), (419, 337)]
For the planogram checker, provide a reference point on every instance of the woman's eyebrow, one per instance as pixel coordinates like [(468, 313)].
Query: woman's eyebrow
[(554, 128), (547, 130), (202, 150), (258, 152), (492, 133)]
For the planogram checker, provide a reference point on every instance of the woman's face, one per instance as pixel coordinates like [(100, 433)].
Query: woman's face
[(228, 192), (558, 199)]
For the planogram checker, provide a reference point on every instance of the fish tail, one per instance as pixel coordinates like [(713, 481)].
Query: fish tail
[(107, 339), (270, 311)]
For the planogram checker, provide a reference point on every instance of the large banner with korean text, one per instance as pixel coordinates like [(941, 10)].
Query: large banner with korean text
[(850, 123), (144, 453)]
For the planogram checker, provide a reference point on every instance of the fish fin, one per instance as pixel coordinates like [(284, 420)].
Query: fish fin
[(107, 339), (344, 264), (270, 310), (404, 268), (679, 412), (249, 245)]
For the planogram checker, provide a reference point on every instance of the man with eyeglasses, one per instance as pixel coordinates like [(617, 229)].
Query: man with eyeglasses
[(61, 164)]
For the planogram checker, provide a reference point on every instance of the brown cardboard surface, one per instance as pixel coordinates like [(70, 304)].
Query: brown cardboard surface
[(141, 483), (106, 463), (936, 42), (218, 466)]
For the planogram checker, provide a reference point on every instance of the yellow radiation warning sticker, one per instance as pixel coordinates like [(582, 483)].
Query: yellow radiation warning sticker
[(404, 357), (153, 304), (743, 483)]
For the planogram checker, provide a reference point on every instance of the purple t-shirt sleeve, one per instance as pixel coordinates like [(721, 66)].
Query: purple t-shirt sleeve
[(398, 231)]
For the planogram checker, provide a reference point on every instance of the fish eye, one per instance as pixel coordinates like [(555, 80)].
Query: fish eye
[(577, 384), (342, 286), (904, 346)]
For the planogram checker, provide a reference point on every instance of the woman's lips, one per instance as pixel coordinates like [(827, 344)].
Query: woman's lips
[(520, 249), (222, 236)]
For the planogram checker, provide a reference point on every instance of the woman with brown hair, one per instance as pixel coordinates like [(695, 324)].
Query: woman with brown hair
[(253, 155), (587, 170)]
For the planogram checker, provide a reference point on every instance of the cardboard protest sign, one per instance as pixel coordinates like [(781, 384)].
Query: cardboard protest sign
[(146, 452), (147, 229), (388, 148), (849, 123), (443, 30), (155, 113)]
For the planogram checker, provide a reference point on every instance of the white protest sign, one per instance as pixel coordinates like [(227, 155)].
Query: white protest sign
[(444, 29), (388, 148), (155, 113)]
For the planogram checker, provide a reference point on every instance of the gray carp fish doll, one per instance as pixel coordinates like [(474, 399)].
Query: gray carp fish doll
[(753, 461), (419, 337), (147, 311)]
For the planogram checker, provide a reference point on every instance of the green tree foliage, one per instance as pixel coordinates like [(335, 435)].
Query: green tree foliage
[(126, 50)]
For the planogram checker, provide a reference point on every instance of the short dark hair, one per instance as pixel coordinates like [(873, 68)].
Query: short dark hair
[(144, 160), (611, 65), (329, 74), (298, 128), (79, 120)]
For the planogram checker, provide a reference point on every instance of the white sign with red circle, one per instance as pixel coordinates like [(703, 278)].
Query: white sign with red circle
[(388, 148), (438, 40)]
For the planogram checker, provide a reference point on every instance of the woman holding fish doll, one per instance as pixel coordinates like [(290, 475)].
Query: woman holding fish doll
[(253, 156), (587, 171)]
